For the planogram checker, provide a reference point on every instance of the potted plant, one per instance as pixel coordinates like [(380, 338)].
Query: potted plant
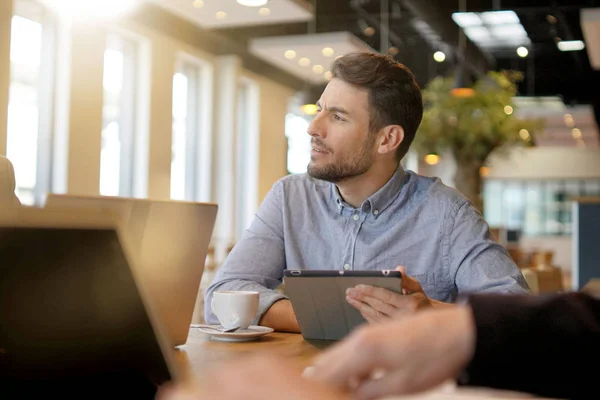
[(471, 124)]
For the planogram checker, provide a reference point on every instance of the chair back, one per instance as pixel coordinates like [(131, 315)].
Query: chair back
[(7, 183)]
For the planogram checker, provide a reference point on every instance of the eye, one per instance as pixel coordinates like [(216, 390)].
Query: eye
[(337, 117)]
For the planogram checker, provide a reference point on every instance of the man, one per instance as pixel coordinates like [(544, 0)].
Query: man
[(357, 208), (528, 344)]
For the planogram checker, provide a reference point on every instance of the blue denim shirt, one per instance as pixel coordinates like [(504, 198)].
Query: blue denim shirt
[(414, 221)]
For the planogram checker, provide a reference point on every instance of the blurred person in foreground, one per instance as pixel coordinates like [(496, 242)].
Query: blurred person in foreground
[(356, 208), (520, 343)]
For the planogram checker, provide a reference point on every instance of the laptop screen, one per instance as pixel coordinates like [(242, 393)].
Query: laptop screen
[(72, 316)]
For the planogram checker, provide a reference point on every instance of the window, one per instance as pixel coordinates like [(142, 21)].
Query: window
[(537, 208), (247, 154), (119, 116), (190, 160), (30, 104), (298, 157)]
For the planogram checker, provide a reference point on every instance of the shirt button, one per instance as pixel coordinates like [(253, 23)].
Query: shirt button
[(346, 267), (375, 212), (356, 217)]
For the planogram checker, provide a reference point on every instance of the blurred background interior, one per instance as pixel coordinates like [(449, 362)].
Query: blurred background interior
[(209, 100)]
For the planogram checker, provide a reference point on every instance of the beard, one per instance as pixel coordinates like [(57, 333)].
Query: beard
[(350, 166)]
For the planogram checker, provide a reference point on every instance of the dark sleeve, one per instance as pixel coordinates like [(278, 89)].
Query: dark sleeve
[(546, 345)]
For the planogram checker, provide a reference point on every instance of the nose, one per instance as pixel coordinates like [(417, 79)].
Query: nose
[(316, 128)]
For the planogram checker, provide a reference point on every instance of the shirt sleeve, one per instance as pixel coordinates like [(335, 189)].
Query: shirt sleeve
[(257, 261), (476, 260), (536, 344)]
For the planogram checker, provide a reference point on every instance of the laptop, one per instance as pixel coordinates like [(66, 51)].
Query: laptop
[(75, 319), (171, 239)]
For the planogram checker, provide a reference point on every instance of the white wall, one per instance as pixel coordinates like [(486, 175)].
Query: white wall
[(444, 169), (546, 163), (527, 163)]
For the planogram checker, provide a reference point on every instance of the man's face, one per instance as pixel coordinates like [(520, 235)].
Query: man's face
[(342, 146)]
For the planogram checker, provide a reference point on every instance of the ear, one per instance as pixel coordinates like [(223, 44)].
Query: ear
[(390, 138)]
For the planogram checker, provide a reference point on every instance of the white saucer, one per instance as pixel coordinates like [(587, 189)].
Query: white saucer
[(253, 332)]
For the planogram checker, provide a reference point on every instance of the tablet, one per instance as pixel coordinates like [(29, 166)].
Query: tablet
[(319, 299)]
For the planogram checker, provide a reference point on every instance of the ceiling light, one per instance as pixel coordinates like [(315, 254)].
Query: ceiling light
[(569, 121), (305, 62), (264, 11), (524, 134), (570, 45), (576, 133), (308, 98), (309, 109), (221, 15), (508, 110), (478, 33), (522, 52), (466, 19), (328, 75), (500, 17), (439, 56), (461, 87), (198, 3), (369, 31), (290, 54), (327, 51), (509, 31), (393, 51), (252, 3), (318, 69), (432, 159)]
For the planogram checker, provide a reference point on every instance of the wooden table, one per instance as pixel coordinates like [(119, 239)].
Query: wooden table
[(200, 354)]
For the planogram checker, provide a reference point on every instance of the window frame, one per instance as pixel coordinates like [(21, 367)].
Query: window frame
[(133, 129), (198, 149), (46, 86)]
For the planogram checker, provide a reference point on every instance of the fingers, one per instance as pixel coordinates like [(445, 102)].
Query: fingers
[(409, 284), (394, 383), (372, 295), (347, 362), (369, 313), (378, 299)]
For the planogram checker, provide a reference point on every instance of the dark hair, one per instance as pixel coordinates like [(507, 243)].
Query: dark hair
[(394, 94)]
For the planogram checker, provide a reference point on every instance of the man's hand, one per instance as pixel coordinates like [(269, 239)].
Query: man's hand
[(379, 305), (259, 377), (402, 356)]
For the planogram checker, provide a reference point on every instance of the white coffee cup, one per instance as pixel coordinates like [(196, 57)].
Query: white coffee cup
[(235, 308)]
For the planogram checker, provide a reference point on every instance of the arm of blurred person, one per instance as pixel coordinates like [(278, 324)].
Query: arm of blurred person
[(259, 377), (495, 341), (379, 305), (418, 352), (256, 263)]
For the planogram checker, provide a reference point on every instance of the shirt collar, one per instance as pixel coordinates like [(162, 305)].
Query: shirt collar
[(381, 199)]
